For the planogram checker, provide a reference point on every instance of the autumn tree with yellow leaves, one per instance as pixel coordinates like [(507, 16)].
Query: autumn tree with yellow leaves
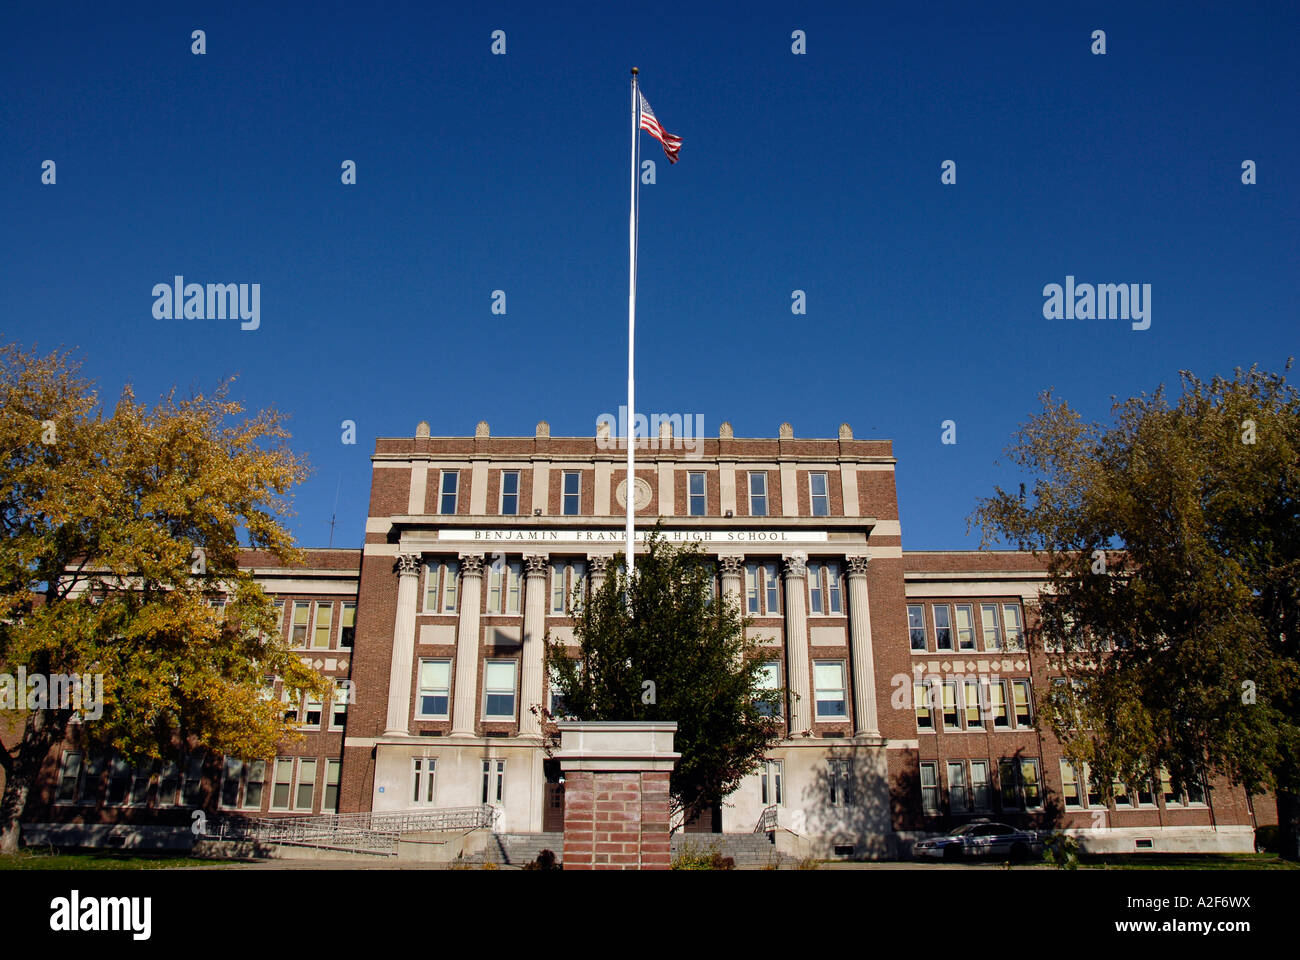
[(143, 510)]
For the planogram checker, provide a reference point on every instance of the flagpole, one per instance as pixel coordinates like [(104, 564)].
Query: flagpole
[(631, 339)]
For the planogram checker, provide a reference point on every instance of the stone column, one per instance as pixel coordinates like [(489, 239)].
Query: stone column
[(403, 662), (796, 643), (731, 582), (464, 706), (866, 722), (533, 645), (597, 566)]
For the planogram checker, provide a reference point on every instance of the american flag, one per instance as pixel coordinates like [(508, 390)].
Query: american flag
[(650, 123)]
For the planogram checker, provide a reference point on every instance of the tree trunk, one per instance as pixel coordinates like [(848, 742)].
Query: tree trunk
[(1288, 824), (17, 788)]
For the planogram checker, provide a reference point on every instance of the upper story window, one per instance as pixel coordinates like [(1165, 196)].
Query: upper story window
[(965, 627), (450, 487), (916, 626), (770, 683), (503, 587), (440, 586), (324, 619), (824, 595), (509, 492), (301, 618), (757, 493), (1015, 627), (572, 493), (566, 577), (348, 625), (762, 590), (942, 626), (828, 689), (989, 622), (695, 494), (820, 491)]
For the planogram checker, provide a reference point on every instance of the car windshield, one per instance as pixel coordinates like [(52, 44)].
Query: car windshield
[(962, 830)]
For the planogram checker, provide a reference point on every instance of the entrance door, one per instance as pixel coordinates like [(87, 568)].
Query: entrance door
[(709, 820), (552, 798)]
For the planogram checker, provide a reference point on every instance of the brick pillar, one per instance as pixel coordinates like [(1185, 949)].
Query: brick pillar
[(616, 795)]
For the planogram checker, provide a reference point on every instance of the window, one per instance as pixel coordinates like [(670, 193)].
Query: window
[(499, 689), (169, 781), (916, 626), (91, 780), (339, 706), (509, 492), (1181, 794), (1029, 787), (828, 681), (141, 779), (981, 795), (503, 587), (450, 484), (1119, 790), (762, 590), (1022, 700), (757, 494), (494, 778), (769, 782), (306, 793), (965, 627), (824, 588), (695, 494), (572, 493), (929, 787), (330, 802), (989, 622), (450, 584), (566, 577), (192, 780), (998, 703), (974, 715), (951, 720), (1070, 785), (1090, 787), (840, 783), (771, 682), (958, 799), (301, 613), (68, 778), (1015, 626), (942, 626), (253, 785), (1145, 794), (821, 501), (277, 607), (559, 703), (422, 779), (312, 713), (280, 793), (923, 695), (324, 619), (1019, 783), (289, 699), (119, 781), (232, 775), (347, 626), (435, 689)]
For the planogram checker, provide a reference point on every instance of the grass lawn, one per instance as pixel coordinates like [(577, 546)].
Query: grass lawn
[(96, 860), (1186, 861)]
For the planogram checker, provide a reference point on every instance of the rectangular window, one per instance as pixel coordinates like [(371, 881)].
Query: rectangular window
[(68, 778), (283, 789), (974, 715), (277, 607), (503, 587), (916, 626), (119, 782), (841, 785), (306, 794), (923, 695), (757, 494), (770, 682), (1015, 626), (301, 615), (1019, 784), (951, 719), (814, 589), (989, 621), (422, 769), (1009, 784), (965, 627), (821, 501), (1119, 791), (192, 781), (232, 775), (828, 681), (772, 590), (769, 776), (499, 689), (254, 784), (942, 626), (431, 593), (1194, 791), (450, 485), (312, 713), (494, 778), (929, 787), (1023, 702), (289, 699), (762, 589), (572, 493), (450, 584), (141, 778), (1145, 794), (509, 493), (347, 626), (339, 706), (1090, 788), (91, 780), (695, 494), (824, 588), (958, 801), (998, 703), (330, 802), (324, 618), (1029, 787), (1070, 785), (559, 703), (169, 782), (566, 578), (435, 689), (980, 794)]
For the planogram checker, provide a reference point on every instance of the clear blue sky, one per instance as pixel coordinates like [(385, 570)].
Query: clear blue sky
[(818, 172)]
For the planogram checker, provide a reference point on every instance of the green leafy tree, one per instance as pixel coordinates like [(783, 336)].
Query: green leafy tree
[(664, 649), (1172, 540), (141, 509)]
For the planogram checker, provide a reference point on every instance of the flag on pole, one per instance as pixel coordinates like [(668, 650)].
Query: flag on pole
[(650, 124)]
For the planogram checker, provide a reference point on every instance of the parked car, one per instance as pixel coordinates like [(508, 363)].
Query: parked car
[(980, 839)]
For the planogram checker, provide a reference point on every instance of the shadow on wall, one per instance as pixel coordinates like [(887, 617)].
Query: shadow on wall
[(847, 805)]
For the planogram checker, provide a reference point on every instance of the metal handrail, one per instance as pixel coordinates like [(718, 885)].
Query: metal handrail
[(766, 820)]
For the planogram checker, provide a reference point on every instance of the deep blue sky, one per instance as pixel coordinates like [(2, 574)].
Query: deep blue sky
[(818, 172)]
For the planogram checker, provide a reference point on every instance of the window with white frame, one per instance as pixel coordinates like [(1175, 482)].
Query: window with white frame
[(770, 785), (1191, 793), (169, 783), (503, 586), (762, 590), (494, 781), (923, 697), (254, 784), (289, 701), (942, 626), (929, 787), (450, 487), (840, 781), (282, 790), (1145, 790), (312, 712), (69, 777), (828, 683), (1022, 701), (1070, 785), (422, 769), (958, 798), (824, 589), (499, 690), (305, 795), (324, 619), (819, 491), (770, 684), (998, 704), (757, 493), (192, 780), (980, 791), (916, 627), (330, 799), (232, 781), (339, 705), (559, 703), (697, 501), (965, 627), (301, 618), (1019, 783), (119, 781), (277, 607), (141, 779), (973, 704), (347, 626), (1120, 793), (434, 694), (951, 716), (1015, 626), (509, 493), (572, 492), (568, 576), (91, 774), (989, 625)]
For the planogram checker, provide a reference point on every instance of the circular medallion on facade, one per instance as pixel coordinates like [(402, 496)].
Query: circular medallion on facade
[(641, 498)]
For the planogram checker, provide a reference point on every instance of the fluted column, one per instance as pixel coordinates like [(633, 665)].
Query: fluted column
[(597, 566), (865, 721), (471, 596), (403, 662), (533, 645), (731, 568), (796, 643)]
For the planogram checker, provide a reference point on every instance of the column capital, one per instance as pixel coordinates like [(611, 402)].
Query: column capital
[(730, 566), (796, 564), (535, 565), (858, 566), (471, 564), (599, 564), (408, 564)]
